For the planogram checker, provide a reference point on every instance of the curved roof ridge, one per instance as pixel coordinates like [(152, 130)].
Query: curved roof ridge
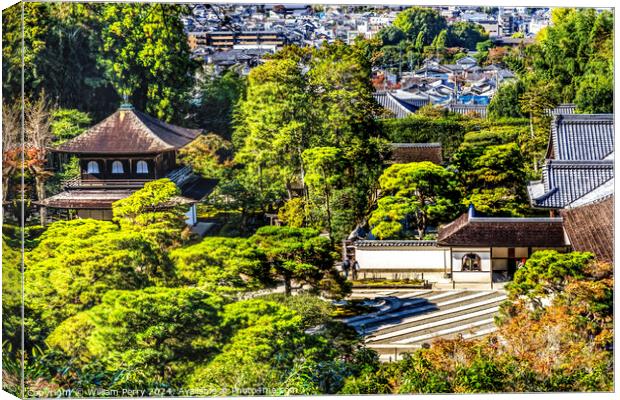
[(90, 131), (175, 129), (129, 131), (147, 130)]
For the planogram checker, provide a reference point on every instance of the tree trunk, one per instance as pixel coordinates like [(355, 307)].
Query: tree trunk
[(40, 188), (302, 174), (5, 183), (329, 217), (289, 190), (287, 285), (532, 138), (421, 227)]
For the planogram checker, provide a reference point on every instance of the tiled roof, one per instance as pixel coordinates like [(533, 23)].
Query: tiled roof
[(566, 181), (399, 108), (418, 145), (469, 230), (467, 60), (480, 109), (591, 228), (579, 166), (601, 193), (403, 153), (396, 243), (129, 131), (95, 199), (565, 109), (581, 136), (416, 103), (192, 186)]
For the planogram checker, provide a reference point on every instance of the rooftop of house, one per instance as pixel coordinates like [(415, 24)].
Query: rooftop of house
[(471, 230), (581, 137), (96, 199), (602, 192), (403, 153), (564, 182), (399, 108), (590, 226), (580, 160), (565, 108), (129, 131), (192, 186), (395, 243)]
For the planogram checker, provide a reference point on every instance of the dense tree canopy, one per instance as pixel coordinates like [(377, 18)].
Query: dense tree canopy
[(574, 54), (217, 96), (288, 110), (146, 55), (418, 193), (67, 124), (77, 262), (151, 334), (466, 35), (216, 263), (87, 56), (295, 254), (11, 292), (492, 177), (546, 273), (155, 211), (414, 21)]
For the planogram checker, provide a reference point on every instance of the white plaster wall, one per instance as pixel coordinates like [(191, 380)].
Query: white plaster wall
[(471, 277), (485, 258), (402, 258)]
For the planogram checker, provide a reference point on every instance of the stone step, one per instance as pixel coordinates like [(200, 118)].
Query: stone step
[(390, 303), (458, 327), (418, 306), (444, 312), (393, 337), (393, 352)]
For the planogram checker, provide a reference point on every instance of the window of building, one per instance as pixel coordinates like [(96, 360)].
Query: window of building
[(117, 167), (92, 167), (471, 262), (142, 167)]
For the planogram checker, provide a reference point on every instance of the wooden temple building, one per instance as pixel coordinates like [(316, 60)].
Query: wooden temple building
[(118, 156), (578, 179), (403, 153), (577, 188)]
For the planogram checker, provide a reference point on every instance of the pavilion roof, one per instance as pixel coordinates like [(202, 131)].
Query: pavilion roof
[(96, 199), (193, 186), (129, 131), (470, 230)]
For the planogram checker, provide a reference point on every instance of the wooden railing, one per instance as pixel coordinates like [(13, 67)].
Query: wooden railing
[(78, 182)]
